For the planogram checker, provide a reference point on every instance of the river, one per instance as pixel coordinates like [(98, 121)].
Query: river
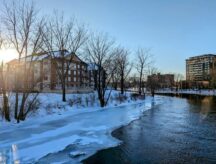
[(181, 130)]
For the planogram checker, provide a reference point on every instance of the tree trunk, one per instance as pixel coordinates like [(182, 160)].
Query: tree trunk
[(140, 82), (22, 106), (5, 106), (152, 92), (102, 101), (63, 94), (16, 105), (5, 98), (63, 90), (122, 84), (115, 85), (140, 86)]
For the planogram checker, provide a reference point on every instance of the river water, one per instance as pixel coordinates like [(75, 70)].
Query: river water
[(181, 130)]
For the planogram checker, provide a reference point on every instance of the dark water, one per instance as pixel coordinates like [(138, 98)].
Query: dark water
[(178, 131)]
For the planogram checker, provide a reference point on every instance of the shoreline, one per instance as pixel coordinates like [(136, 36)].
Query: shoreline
[(91, 159), (184, 94), (113, 135)]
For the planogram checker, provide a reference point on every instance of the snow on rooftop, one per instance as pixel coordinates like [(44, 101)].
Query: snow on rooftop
[(44, 55)]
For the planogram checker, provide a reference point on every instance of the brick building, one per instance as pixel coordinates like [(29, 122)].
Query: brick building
[(44, 69), (161, 80)]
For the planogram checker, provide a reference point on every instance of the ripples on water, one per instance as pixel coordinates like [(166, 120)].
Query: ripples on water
[(178, 131)]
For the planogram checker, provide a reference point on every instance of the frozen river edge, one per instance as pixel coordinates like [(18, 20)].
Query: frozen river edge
[(71, 138)]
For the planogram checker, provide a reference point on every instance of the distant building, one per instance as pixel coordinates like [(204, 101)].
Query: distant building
[(44, 71), (201, 68), (161, 80)]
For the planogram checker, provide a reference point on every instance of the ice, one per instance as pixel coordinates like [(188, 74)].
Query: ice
[(76, 153), (87, 130), (206, 92)]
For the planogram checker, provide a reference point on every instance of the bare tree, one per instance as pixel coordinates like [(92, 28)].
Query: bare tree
[(63, 36), (123, 66), (143, 61), (100, 51), (24, 33)]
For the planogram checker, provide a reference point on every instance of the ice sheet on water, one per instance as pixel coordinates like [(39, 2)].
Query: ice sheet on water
[(88, 132)]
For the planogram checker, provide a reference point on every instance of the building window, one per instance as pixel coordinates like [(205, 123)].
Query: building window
[(74, 72), (75, 79)]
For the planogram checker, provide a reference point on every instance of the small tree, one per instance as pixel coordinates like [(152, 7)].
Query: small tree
[(143, 61), (123, 66), (24, 34), (61, 35), (100, 50)]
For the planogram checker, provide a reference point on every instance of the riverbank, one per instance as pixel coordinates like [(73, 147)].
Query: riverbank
[(51, 105), (70, 136), (203, 92)]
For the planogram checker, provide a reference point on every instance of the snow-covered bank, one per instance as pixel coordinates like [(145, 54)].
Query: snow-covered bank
[(71, 132), (51, 104), (204, 92)]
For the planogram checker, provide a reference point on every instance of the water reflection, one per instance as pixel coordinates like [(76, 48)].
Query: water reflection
[(10, 156), (204, 105)]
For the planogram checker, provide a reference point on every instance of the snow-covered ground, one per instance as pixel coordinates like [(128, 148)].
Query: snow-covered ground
[(206, 92), (73, 130)]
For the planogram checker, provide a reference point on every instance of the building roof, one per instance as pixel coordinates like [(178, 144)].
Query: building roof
[(202, 56), (44, 55), (14, 61)]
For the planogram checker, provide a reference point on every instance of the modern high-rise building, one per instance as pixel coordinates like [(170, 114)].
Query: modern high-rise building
[(201, 68)]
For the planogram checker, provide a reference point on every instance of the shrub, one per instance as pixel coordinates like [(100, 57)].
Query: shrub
[(75, 101), (121, 98), (136, 96)]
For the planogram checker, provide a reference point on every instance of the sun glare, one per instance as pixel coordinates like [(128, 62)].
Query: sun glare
[(7, 55)]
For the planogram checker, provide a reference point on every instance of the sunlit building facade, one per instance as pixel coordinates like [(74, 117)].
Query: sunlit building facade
[(201, 68), (44, 72)]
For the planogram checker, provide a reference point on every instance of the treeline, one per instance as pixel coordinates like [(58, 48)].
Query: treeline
[(25, 30)]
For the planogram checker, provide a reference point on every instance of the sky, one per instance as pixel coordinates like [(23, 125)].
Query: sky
[(173, 29)]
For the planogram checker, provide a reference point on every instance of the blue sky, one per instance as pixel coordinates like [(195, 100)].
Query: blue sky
[(173, 29)]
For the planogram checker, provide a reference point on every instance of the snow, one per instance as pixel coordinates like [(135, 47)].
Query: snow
[(76, 153), (86, 128), (42, 56), (205, 92)]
